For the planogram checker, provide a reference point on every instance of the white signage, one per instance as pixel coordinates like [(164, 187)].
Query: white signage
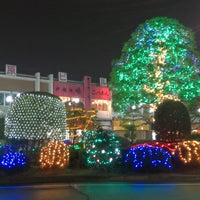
[(11, 70), (62, 76), (103, 82)]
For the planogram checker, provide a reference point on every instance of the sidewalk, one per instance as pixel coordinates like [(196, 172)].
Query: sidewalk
[(85, 176)]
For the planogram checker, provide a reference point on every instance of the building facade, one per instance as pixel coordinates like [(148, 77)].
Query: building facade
[(93, 96)]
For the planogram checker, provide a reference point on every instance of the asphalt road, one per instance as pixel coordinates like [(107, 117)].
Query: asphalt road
[(102, 191)]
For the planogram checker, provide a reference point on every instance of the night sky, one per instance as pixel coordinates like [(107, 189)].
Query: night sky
[(80, 37)]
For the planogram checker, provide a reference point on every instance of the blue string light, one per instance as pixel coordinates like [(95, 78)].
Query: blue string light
[(148, 158), (13, 160)]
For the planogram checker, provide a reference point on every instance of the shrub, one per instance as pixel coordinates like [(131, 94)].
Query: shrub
[(12, 159), (2, 125), (172, 121), (194, 136), (102, 149), (148, 158), (54, 155), (77, 156), (34, 118), (187, 154)]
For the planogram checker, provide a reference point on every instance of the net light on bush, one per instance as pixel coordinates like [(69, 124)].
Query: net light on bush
[(36, 116)]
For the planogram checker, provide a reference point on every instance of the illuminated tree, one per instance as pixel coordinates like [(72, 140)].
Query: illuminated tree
[(130, 127), (75, 114), (172, 121), (79, 119), (158, 62), (36, 116)]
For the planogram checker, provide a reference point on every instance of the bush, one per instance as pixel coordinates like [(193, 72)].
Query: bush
[(54, 155), (12, 161), (2, 125), (194, 136), (187, 154), (102, 149), (148, 159), (36, 118), (172, 121), (77, 157)]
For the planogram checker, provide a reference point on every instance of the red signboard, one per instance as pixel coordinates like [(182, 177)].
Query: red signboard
[(79, 90), (87, 92), (102, 93), (68, 89)]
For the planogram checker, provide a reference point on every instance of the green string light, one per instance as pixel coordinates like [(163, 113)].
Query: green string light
[(102, 148), (159, 59)]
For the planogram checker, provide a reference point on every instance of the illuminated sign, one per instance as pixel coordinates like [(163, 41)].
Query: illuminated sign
[(100, 93), (78, 90), (68, 89)]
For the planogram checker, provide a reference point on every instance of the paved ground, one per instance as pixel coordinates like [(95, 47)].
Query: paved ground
[(101, 191), (79, 176)]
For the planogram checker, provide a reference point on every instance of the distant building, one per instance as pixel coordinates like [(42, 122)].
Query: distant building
[(93, 96), (96, 96)]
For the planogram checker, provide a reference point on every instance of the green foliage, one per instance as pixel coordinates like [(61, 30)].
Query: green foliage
[(193, 108), (172, 121), (131, 128), (159, 59), (2, 127), (192, 137), (77, 157), (123, 142), (102, 148)]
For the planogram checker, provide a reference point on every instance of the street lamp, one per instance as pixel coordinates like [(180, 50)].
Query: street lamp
[(9, 99)]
